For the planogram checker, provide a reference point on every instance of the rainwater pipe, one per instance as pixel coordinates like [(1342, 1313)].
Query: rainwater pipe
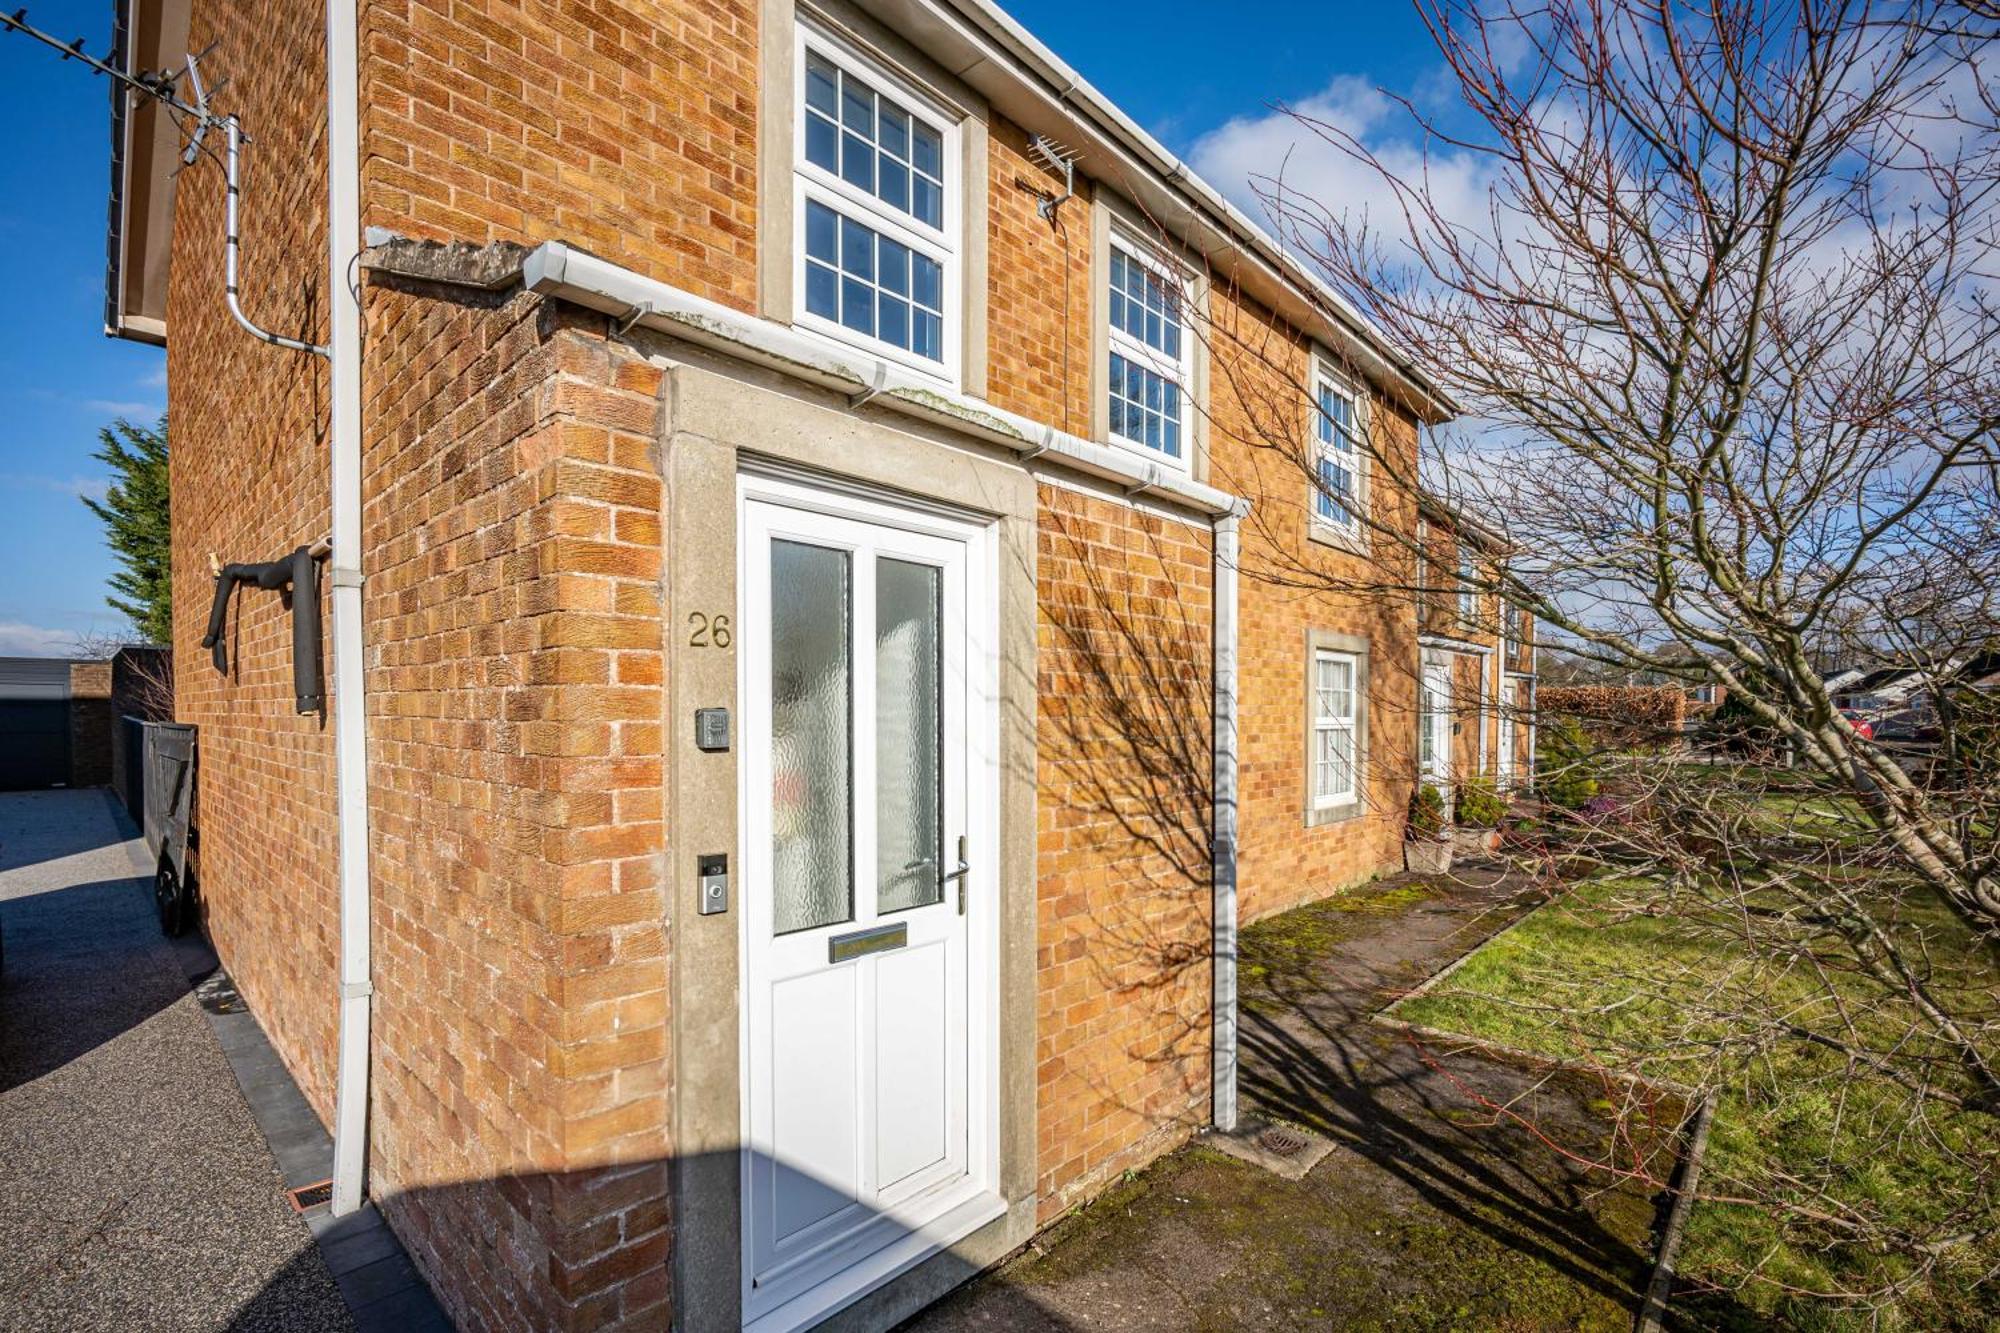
[(350, 735), (350, 725), (1222, 843)]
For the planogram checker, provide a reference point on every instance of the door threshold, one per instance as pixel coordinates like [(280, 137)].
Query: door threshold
[(881, 1267)]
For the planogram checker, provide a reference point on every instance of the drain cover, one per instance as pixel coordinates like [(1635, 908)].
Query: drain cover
[(1281, 1141), (310, 1196)]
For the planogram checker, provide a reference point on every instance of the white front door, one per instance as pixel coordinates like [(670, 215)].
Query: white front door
[(1509, 701), (869, 906), (1434, 723)]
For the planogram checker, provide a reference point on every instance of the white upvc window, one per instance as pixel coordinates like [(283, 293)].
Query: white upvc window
[(877, 211), (1337, 492), (1151, 354), (1468, 585), (1336, 763), (1423, 573)]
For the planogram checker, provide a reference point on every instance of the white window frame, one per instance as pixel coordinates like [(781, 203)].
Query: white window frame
[(945, 244), (1351, 528), (1178, 372), (1467, 559), (1323, 724), (1423, 573)]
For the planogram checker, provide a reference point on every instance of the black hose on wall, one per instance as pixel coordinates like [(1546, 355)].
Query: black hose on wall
[(298, 572)]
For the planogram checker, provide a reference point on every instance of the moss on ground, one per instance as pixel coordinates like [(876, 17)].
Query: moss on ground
[(1295, 943), (1206, 1242), (1582, 979)]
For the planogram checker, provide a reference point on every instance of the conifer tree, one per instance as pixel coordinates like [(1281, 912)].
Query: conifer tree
[(135, 516)]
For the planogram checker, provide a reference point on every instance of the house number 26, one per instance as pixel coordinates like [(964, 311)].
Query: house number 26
[(708, 631)]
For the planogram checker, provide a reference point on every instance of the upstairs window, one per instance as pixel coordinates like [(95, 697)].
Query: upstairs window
[(1423, 573), (1149, 355), (1468, 586), (1336, 495), (875, 169)]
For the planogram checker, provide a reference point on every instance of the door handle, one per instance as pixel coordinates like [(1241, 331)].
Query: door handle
[(964, 869)]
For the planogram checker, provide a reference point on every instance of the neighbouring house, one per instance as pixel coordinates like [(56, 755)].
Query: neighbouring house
[(1902, 700), (822, 719), (55, 723), (1477, 695)]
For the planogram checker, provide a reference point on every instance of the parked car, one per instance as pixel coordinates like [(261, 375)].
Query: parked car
[(1863, 726)]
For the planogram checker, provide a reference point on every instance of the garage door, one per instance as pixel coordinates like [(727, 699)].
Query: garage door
[(34, 723)]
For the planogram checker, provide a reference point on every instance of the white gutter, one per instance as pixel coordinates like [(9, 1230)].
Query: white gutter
[(554, 269), (1222, 847), (1066, 89), (350, 723)]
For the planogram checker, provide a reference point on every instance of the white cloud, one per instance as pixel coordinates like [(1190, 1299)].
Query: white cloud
[(18, 640), (92, 487), (1250, 157), (119, 407)]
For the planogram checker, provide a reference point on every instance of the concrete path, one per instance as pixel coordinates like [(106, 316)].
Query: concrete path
[(1431, 1211), (136, 1191)]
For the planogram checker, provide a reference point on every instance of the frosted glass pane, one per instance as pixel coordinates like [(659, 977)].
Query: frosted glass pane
[(812, 771), (909, 840)]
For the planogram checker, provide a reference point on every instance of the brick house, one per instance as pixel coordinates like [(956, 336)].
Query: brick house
[(777, 476), (1477, 704)]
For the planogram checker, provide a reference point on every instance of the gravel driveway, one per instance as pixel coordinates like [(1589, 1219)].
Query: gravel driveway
[(135, 1189)]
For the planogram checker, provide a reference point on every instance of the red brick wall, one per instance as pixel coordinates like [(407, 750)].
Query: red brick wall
[(249, 484), (90, 724), (512, 526), (1291, 586), (1038, 292), (513, 556), (627, 127), (1123, 781)]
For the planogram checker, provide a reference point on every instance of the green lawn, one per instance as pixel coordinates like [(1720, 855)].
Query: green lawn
[(1587, 978)]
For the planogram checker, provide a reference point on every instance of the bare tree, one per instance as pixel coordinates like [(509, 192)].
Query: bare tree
[(1729, 329), (1726, 337)]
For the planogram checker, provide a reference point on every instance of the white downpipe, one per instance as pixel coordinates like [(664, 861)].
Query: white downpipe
[(350, 724), (1222, 866)]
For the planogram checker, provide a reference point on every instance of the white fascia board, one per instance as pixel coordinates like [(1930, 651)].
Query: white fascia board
[(555, 269), (983, 45)]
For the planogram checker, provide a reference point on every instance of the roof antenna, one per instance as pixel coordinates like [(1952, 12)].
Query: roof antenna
[(1061, 161), (195, 120)]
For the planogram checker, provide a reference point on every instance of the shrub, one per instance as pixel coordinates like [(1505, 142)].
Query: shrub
[(1480, 804), (1620, 717), (1735, 730), (1426, 812), (1563, 756)]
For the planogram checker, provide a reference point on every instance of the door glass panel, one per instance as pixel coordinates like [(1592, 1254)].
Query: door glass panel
[(812, 767), (908, 835)]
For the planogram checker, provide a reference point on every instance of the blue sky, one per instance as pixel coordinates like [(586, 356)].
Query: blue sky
[(1204, 87), (60, 377)]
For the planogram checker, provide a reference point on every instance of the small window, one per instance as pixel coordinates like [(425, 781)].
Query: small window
[(1335, 761), (1423, 573), (1337, 494), (878, 266), (1148, 367), (1468, 585)]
